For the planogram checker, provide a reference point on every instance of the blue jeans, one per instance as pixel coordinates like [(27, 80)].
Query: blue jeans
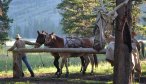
[(24, 58)]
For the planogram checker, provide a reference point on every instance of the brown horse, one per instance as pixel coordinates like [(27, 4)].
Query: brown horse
[(40, 41), (71, 43), (54, 41)]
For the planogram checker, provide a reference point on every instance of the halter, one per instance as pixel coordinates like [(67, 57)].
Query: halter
[(38, 44)]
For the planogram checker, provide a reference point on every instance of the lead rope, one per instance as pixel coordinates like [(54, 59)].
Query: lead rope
[(42, 64), (6, 67)]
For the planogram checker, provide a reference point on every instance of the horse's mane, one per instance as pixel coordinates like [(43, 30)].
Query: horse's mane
[(59, 40)]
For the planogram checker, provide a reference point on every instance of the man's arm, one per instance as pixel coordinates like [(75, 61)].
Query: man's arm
[(29, 43)]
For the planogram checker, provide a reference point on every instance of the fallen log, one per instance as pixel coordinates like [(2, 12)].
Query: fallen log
[(61, 50), (17, 63)]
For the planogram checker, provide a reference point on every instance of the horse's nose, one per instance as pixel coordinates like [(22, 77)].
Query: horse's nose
[(37, 45)]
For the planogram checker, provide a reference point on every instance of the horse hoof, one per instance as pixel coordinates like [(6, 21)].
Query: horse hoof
[(91, 73), (83, 72), (57, 74), (67, 75)]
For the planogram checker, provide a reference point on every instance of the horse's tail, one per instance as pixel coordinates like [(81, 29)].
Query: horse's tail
[(142, 48), (95, 60)]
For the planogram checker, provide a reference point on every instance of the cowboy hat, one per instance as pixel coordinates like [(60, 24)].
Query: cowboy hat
[(18, 36)]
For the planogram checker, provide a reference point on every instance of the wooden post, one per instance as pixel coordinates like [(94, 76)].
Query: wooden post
[(17, 65), (122, 72)]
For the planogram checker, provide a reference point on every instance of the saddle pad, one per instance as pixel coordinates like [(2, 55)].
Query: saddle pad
[(72, 42)]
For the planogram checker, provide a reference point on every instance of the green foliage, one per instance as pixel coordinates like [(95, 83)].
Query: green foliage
[(3, 37), (5, 20), (78, 17), (135, 15)]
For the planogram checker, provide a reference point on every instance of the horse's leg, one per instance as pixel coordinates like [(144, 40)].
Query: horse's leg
[(56, 64), (64, 61), (67, 70), (92, 63), (138, 69), (82, 63), (133, 66), (137, 66), (86, 58), (132, 75)]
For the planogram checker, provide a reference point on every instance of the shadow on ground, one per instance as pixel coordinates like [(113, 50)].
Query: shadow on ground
[(76, 78)]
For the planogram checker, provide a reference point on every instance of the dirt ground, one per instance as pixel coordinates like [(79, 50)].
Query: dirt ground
[(76, 78), (49, 78)]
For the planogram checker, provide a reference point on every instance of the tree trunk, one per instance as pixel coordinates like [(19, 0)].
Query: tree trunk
[(1, 12), (122, 69)]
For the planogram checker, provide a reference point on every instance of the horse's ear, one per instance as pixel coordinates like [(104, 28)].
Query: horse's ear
[(46, 33), (42, 31), (53, 37), (38, 32), (52, 33)]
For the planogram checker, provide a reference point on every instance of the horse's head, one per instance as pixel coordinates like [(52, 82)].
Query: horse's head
[(50, 40), (40, 38)]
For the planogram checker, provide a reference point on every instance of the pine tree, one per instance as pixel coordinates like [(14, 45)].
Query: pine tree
[(4, 21), (78, 17)]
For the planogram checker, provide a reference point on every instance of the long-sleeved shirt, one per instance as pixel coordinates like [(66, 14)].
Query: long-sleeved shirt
[(20, 44)]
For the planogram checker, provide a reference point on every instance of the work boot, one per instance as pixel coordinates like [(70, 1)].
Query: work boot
[(32, 73)]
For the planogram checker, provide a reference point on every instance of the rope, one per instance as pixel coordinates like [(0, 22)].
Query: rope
[(41, 60), (6, 63)]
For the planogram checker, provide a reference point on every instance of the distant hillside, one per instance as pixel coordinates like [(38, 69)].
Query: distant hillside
[(32, 15)]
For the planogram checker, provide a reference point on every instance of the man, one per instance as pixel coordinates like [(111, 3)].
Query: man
[(21, 44)]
